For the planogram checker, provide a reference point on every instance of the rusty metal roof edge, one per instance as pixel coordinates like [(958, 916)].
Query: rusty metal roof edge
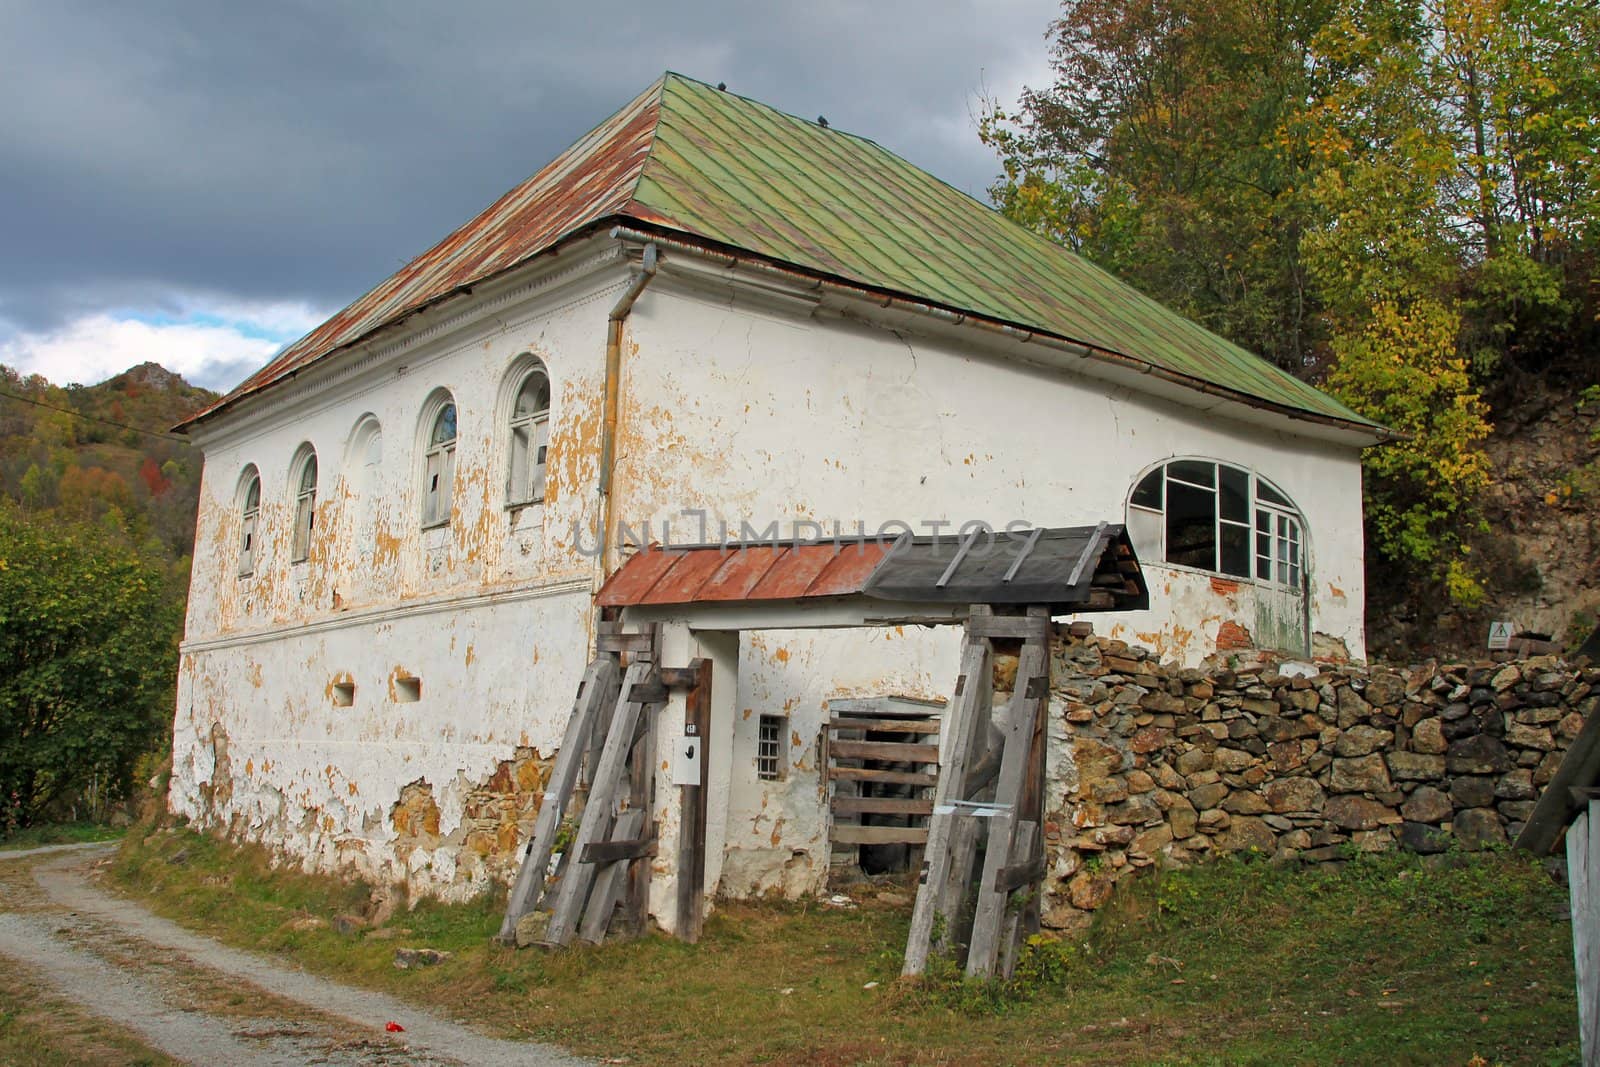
[(640, 230), (231, 400)]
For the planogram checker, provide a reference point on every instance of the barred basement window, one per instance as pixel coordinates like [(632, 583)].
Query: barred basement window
[(769, 748)]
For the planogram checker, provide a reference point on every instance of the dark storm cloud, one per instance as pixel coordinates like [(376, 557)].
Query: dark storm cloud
[(301, 151)]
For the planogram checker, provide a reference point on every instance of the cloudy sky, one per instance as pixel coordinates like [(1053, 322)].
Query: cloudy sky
[(199, 183)]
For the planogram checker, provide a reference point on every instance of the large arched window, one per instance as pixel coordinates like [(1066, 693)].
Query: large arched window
[(439, 460), (249, 511), (530, 435), (1220, 518), (303, 479)]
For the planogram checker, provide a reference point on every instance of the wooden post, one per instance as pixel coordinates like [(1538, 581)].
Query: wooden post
[(1583, 882), (692, 817)]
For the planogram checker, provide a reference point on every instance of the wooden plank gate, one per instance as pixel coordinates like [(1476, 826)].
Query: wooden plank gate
[(601, 882), (985, 843)]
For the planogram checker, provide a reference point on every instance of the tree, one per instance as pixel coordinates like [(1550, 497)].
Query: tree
[(88, 636)]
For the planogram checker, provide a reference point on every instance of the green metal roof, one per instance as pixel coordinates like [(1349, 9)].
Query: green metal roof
[(686, 158), (746, 175)]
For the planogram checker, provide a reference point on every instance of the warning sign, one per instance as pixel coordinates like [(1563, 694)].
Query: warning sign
[(1500, 635)]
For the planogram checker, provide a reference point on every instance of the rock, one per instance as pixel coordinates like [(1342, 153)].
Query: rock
[(1467, 792), (1481, 754), (1139, 782), (1194, 761), (348, 924), (1569, 726), (1351, 812), (1247, 833), (1182, 818), (1160, 701), (1427, 804), (1515, 785), (1420, 837), (1427, 736), (1089, 891), (1207, 796), (1152, 840), (1094, 759), (1479, 828), (1505, 678), (1530, 737), (406, 958), (1360, 740), (1242, 803), (1256, 706), (531, 928), (1285, 756), (1231, 760), (1294, 794), (1386, 689), (1416, 766), (1214, 820), (1135, 810), (1148, 739), (1352, 709), (1366, 774), (1106, 790)]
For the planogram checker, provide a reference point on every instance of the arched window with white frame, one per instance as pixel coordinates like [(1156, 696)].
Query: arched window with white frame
[(530, 434), (303, 479), (438, 459), (1220, 518), (249, 496)]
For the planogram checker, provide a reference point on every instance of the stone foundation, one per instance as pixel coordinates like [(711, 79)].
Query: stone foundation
[(1155, 764)]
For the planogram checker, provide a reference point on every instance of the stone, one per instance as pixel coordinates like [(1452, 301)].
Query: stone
[(1160, 701), (1480, 754), (1547, 768), (1468, 792), (1352, 709), (1136, 810), (1427, 804), (1365, 774), (1231, 760), (1089, 891), (1242, 803), (1530, 737), (1149, 738), (1285, 756), (1361, 740), (1422, 838), (1479, 828), (531, 928), (1106, 790), (1516, 810), (1351, 812), (1569, 726), (1152, 840), (1095, 759), (1294, 794), (406, 958), (1427, 736), (348, 924), (1416, 766), (1515, 785), (1207, 796), (1214, 820), (1139, 782), (1277, 728), (1505, 678), (1384, 689), (1248, 834), (1256, 706), (1182, 818)]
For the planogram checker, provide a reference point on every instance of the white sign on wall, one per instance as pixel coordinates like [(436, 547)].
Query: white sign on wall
[(1500, 635)]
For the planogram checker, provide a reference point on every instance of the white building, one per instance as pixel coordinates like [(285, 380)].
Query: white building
[(704, 306)]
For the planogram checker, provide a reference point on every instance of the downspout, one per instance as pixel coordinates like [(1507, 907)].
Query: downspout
[(608, 435)]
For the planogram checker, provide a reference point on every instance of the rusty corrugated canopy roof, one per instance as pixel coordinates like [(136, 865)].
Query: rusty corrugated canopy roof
[(686, 158)]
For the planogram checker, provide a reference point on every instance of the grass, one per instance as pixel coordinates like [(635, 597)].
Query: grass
[(62, 833), (1390, 960)]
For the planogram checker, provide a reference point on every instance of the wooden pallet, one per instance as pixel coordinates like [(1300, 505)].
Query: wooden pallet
[(882, 761), (984, 843)]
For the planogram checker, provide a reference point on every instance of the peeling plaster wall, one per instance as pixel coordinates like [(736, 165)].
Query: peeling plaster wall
[(492, 614), (759, 414)]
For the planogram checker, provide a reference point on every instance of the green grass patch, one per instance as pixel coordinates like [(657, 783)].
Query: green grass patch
[(62, 833), (1390, 960)]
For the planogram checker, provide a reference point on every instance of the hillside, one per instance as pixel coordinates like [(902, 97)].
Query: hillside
[(102, 453)]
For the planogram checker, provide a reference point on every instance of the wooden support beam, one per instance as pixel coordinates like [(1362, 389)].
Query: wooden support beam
[(608, 884), (692, 810), (1014, 627), (633, 848), (884, 726), (869, 774), (1583, 885), (596, 694)]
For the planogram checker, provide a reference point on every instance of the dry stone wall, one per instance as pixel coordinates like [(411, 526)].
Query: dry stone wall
[(1156, 764)]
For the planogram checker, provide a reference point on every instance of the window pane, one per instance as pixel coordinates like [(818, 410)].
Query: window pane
[(1148, 492), (1233, 498), (541, 434), (1271, 495), (521, 443), (1192, 470), (252, 495), (534, 396), (1191, 526), (430, 488), (308, 475), (444, 427), (1235, 550), (1144, 530)]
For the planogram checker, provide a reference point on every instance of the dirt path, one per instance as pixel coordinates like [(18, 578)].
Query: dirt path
[(200, 1001)]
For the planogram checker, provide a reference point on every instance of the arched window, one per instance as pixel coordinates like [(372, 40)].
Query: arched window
[(439, 462), (1217, 517), (305, 504), (249, 510), (530, 434)]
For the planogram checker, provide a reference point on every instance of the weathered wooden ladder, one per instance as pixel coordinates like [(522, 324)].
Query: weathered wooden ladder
[(989, 798), (611, 735)]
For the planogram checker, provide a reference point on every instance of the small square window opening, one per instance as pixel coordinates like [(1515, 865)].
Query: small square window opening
[(769, 748), (344, 694), (407, 690)]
